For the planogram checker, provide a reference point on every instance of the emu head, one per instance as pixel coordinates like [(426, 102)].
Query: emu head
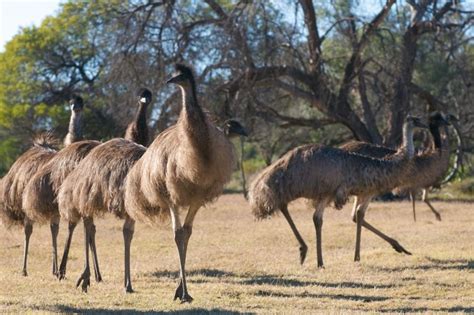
[(76, 103), (144, 96), (183, 76), (233, 128), (437, 119), (451, 119), (414, 122)]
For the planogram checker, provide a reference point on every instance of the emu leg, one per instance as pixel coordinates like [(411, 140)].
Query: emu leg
[(28, 229), (54, 225), (128, 230), (412, 198), (182, 235), (95, 261), (86, 274), (399, 248), (425, 199), (318, 224), (358, 213), (62, 267), (303, 247)]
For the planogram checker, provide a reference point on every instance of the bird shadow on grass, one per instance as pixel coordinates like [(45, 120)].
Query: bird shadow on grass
[(440, 264), (245, 279), (352, 297), (454, 309), (79, 310)]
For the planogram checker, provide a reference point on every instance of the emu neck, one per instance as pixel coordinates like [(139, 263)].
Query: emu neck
[(434, 130), (75, 128), (408, 145), (193, 120), (141, 122)]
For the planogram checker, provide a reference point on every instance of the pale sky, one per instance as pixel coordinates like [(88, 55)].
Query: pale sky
[(15, 14)]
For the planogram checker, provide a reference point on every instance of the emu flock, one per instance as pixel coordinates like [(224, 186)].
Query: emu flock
[(186, 167)]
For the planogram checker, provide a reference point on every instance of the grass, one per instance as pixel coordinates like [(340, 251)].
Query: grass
[(236, 264)]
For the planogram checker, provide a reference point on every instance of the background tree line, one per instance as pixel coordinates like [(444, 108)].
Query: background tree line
[(293, 72)]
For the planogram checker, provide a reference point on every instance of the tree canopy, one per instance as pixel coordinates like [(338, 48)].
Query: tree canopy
[(292, 71)]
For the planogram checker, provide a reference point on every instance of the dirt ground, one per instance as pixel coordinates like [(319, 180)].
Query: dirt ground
[(237, 264)]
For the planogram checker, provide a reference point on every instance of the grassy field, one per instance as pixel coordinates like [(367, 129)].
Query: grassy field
[(236, 264)]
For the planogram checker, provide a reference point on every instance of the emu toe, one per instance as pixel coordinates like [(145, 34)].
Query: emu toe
[(184, 297), (84, 280), (303, 251), (128, 289), (438, 216), (399, 248), (24, 273)]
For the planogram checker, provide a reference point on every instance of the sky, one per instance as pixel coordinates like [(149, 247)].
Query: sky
[(15, 14)]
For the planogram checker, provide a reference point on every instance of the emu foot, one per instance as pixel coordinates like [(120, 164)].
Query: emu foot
[(128, 289), (98, 277), (24, 273), (399, 248), (303, 251), (55, 270), (85, 279), (184, 297), (61, 274), (438, 216)]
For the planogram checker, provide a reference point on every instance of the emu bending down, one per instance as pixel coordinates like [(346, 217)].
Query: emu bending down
[(429, 166), (324, 174)]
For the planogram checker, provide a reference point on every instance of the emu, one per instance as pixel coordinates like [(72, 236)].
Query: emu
[(185, 166), (324, 174), (39, 199), (12, 186), (430, 166)]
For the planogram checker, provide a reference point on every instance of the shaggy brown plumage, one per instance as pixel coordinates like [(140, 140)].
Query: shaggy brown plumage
[(39, 200), (324, 175), (184, 168), (14, 182), (429, 166), (137, 130)]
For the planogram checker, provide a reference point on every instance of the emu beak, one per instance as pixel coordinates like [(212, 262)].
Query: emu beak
[(175, 78), (76, 107)]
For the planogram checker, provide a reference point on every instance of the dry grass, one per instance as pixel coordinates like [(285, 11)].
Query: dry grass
[(238, 265)]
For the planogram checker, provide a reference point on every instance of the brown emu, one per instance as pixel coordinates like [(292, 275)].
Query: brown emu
[(182, 152), (13, 184), (16, 180), (137, 131), (325, 174), (430, 166), (39, 199)]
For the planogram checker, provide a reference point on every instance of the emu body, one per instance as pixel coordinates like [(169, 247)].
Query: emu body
[(429, 166), (185, 167), (13, 185), (324, 175)]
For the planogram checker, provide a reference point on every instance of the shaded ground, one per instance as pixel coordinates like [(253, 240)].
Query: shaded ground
[(238, 265)]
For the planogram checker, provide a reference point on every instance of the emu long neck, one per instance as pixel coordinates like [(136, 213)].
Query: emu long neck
[(193, 119), (434, 130), (408, 141), (141, 124), (75, 128)]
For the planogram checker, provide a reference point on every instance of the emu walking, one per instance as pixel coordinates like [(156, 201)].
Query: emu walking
[(14, 183), (325, 174), (39, 199), (430, 166), (173, 167)]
